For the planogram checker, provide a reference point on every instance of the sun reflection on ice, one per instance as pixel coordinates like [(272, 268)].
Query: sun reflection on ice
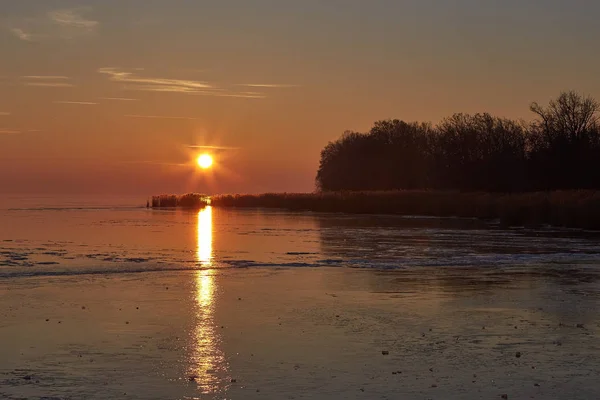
[(208, 365), (204, 251)]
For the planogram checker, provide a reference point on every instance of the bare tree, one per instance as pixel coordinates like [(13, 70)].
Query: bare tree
[(481, 152), (570, 114)]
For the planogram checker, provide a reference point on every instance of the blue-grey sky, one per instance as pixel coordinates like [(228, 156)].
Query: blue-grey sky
[(107, 95)]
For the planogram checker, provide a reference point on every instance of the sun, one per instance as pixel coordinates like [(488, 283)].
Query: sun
[(204, 161)]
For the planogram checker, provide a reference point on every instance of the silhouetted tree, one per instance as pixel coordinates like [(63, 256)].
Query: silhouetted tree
[(564, 145), (559, 150), (479, 152), (570, 116), (393, 154)]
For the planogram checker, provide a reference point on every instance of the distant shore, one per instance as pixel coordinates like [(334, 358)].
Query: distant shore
[(569, 209), (189, 200)]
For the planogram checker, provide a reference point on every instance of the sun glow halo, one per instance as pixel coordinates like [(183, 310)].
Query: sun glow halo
[(204, 161)]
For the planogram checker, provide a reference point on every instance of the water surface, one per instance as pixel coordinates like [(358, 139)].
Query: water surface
[(84, 239), (107, 299)]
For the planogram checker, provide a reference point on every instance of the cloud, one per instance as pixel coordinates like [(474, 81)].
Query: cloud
[(241, 95), (213, 147), (7, 131), (175, 89), (156, 163), (21, 34), (49, 84), (4, 113), (63, 24), (267, 85), (164, 88), (46, 81), (157, 117), (155, 84), (73, 18), (118, 98), (85, 103), (133, 81), (45, 77)]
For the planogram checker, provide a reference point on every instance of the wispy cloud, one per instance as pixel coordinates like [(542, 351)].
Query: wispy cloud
[(63, 23), (157, 117), (156, 163), (73, 18), (4, 131), (241, 95), (4, 113), (166, 88), (156, 84), (133, 81), (45, 77), (83, 103), (216, 92), (49, 84), (21, 34), (117, 98), (213, 147), (267, 85), (46, 80)]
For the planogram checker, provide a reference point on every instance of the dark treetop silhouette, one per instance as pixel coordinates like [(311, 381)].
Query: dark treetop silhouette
[(559, 150)]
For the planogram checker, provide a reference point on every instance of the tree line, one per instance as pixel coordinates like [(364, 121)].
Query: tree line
[(559, 149)]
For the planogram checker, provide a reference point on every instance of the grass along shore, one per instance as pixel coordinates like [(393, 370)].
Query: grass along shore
[(189, 200), (570, 209)]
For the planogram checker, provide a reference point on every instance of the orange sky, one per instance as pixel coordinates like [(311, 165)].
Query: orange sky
[(107, 97)]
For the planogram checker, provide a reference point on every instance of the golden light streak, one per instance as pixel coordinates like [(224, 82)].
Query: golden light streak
[(204, 249), (208, 366)]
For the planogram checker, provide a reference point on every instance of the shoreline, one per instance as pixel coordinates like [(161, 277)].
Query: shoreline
[(578, 209)]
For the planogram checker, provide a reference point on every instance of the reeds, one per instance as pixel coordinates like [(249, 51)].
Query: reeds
[(572, 209), (189, 200)]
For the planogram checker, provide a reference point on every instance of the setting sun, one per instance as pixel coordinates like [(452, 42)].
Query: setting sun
[(204, 161)]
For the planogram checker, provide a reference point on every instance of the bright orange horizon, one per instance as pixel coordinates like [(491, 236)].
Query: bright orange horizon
[(122, 97)]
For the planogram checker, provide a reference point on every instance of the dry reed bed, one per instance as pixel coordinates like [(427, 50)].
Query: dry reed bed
[(572, 209), (189, 200)]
